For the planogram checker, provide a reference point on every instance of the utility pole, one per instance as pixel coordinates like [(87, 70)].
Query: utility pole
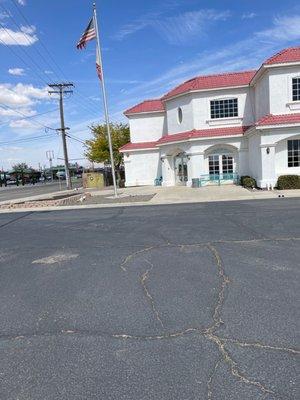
[(61, 90), (50, 156)]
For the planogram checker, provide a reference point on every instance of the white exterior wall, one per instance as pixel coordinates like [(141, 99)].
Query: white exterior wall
[(142, 167), (185, 102), (281, 90), (201, 108), (147, 127), (254, 156), (262, 97)]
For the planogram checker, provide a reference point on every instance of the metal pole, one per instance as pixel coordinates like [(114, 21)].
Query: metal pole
[(105, 103)]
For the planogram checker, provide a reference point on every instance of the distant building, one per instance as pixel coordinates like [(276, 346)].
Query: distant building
[(245, 123)]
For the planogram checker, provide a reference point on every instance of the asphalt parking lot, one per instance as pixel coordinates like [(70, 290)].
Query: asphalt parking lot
[(195, 301)]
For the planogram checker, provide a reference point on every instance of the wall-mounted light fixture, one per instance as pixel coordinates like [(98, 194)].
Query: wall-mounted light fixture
[(162, 159), (268, 150)]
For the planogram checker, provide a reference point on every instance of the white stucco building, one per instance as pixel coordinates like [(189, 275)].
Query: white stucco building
[(243, 123)]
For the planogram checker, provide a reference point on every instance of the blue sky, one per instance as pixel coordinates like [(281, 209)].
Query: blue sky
[(148, 47)]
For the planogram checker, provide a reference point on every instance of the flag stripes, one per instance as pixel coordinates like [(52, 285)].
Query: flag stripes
[(88, 34)]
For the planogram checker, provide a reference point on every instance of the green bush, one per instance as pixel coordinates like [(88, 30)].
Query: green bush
[(288, 182), (242, 179), (248, 182)]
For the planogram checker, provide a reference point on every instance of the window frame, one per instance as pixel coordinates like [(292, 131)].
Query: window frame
[(217, 113), (179, 115), (297, 89), (293, 153)]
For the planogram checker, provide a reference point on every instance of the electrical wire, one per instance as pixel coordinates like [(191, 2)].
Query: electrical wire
[(29, 116), (83, 103)]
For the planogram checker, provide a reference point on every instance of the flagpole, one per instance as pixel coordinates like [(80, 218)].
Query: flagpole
[(105, 102)]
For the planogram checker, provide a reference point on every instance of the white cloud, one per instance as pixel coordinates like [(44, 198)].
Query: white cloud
[(244, 54), (9, 112), (184, 27), (177, 29), (26, 36), (16, 71), (21, 95), (285, 28), (249, 15), (23, 124), (22, 2), (48, 72)]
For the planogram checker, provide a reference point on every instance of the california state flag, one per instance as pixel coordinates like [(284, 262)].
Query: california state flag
[(98, 64)]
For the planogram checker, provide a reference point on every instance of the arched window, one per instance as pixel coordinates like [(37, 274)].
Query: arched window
[(179, 115)]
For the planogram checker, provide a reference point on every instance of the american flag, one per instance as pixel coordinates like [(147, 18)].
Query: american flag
[(88, 34)]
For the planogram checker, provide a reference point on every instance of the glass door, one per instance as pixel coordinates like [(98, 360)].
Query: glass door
[(214, 167), (227, 167), (181, 169)]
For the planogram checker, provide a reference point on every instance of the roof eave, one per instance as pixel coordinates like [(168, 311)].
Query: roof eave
[(274, 126), (203, 90), (193, 139), (144, 112)]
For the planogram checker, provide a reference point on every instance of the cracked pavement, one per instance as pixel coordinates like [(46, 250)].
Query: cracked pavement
[(195, 301)]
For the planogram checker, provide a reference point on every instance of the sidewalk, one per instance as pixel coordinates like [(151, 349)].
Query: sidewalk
[(161, 195)]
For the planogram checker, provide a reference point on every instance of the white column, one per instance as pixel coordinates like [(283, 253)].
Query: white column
[(268, 175), (168, 172)]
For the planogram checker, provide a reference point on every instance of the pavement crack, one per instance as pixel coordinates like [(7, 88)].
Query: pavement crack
[(132, 255), (210, 380), (234, 367), (261, 346), (143, 279), (217, 321)]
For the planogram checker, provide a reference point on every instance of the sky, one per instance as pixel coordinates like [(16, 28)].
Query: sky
[(148, 48)]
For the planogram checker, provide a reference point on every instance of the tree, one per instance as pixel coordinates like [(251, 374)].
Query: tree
[(20, 168), (98, 148)]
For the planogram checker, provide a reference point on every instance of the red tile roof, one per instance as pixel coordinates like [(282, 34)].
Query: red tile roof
[(177, 137), (291, 54), (231, 79), (138, 146), (213, 132), (282, 119), (146, 106)]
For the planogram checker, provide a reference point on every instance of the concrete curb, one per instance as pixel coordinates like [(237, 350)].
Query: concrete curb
[(149, 203)]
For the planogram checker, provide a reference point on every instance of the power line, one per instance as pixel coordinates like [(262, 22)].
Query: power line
[(28, 139), (28, 117), (25, 116), (89, 107), (83, 103)]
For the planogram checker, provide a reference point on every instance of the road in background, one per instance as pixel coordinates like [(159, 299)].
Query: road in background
[(194, 301), (19, 192)]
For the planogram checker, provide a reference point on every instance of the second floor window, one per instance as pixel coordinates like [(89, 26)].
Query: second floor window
[(224, 108), (296, 89)]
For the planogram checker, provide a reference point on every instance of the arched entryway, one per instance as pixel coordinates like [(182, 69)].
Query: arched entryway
[(181, 168), (222, 162)]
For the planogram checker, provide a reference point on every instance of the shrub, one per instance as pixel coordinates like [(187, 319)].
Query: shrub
[(248, 182), (242, 179), (288, 182)]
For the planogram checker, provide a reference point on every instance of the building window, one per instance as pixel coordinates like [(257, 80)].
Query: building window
[(224, 108), (227, 164), (296, 89), (293, 153), (179, 115), (214, 166)]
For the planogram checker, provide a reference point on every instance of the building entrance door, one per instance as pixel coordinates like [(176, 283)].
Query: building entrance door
[(221, 166), (181, 169)]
